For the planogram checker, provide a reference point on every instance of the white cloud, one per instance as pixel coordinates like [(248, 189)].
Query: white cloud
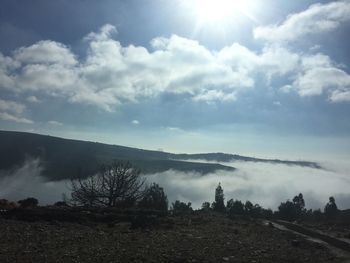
[(174, 129), (286, 88), (215, 95), (135, 122), (318, 80), (104, 34), (7, 64), (9, 117), (318, 74), (11, 106), (340, 96), (33, 99), (45, 52), (55, 123), (12, 111), (112, 74), (317, 18), (277, 60)]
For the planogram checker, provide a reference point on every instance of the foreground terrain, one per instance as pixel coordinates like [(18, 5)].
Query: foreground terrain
[(192, 238)]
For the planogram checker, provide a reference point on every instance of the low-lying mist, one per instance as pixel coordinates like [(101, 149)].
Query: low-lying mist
[(26, 181), (264, 183)]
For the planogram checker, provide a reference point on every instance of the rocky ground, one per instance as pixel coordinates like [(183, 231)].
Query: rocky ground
[(192, 238)]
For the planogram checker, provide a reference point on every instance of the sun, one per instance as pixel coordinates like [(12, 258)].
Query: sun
[(219, 10)]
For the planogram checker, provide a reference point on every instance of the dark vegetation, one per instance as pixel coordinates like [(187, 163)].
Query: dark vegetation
[(29, 202), (66, 159)]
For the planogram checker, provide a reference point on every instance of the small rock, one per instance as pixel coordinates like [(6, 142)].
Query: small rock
[(226, 259)]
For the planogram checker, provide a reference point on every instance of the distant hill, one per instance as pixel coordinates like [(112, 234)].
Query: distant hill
[(65, 158), (224, 157)]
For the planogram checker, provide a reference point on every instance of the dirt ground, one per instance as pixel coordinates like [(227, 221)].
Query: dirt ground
[(192, 238)]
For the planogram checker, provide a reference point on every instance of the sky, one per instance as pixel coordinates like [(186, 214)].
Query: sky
[(260, 78)]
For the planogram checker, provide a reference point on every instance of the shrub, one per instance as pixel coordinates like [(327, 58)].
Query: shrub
[(181, 207), (235, 207), (154, 198), (29, 202), (206, 206)]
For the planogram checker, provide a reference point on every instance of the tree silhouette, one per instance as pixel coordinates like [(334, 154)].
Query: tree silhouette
[(331, 208), (154, 198), (299, 205), (219, 204), (292, 210), (286, 211), (117, 184), (248, 207)]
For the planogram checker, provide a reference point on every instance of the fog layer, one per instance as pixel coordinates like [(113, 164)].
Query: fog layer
[(26, 181), (264, 183)]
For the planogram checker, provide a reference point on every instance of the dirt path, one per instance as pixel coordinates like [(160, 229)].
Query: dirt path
[(340, 247)]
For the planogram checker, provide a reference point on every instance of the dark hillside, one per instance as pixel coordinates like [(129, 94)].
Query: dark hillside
[(66, 158)]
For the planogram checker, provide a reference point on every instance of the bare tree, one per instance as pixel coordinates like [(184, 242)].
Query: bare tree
[(116, 184)]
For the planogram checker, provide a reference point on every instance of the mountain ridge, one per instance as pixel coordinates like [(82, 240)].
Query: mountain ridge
[(70, 158)]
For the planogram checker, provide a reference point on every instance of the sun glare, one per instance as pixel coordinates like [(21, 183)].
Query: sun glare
[(218, 10)]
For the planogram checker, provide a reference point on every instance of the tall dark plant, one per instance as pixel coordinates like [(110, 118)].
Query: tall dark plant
[(219, 204)]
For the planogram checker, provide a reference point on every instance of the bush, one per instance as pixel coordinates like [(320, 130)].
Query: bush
[(154, 198), (206, 206), (7, 205), (61, 204), (235, 207), (29, 202), (181, 207)]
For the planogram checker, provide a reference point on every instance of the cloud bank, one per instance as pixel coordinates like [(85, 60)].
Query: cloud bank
[(26, 181), (263, 183), (318, 18), (12, 111)]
